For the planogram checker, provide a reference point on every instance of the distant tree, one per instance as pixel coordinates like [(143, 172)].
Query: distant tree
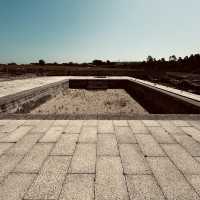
[(180, 59), (108, 62), (13, 63), (41, 62), (197, 58), (150, 59), (97, 62), (162, 60), (173, 58), (191, 56), (194, 59)]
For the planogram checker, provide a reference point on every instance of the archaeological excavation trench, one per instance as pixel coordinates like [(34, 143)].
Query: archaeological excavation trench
[(98, 96)]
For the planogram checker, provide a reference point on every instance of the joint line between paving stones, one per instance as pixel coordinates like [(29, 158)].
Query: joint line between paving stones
[(173, 162), (7, 150), (23, 156), (181, 173), (121, 164), (5, 177), (146, 161), (189, 121), (69, 167), (191, 135), (189, 125), (94, 188), (28, 132), (18, 172), (34, 179), (172, 135)]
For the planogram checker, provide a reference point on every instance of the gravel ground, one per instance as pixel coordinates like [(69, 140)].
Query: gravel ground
[(75, 101)]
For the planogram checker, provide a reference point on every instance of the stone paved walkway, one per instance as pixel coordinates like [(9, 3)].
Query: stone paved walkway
[(16, 86), (102, 160)]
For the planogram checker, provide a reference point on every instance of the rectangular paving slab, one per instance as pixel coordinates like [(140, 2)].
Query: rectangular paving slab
[(42, 126), (182, 159), (90, 123), (78, 187), (15, 186), (74, 127), (52, 134), (32, 122), (151, 123), (16, 135), (180, 123), (195, 123), (110, 181), (84, 159), (7, 164), (66, 145), (138, 127), (194, 180), (24, 145), (120, 122), (170, 127), (133, 160), (193, 132), (107, 145), (161, 135), (88, 135), (149, 145), (33, 161), (172, 182), (48, 183), (189, 144), (143, 187), (124, 135), (10, 125), (63, 123), (105, 126), (4, 147)]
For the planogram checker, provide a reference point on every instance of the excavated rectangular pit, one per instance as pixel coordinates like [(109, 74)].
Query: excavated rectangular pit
[(91, 102), (153, 99), (100, 96)]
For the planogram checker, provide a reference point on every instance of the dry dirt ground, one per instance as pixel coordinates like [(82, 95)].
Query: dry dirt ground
[(75, 101)]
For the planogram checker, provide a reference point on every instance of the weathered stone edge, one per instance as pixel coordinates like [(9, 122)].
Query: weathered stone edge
[(102, 116)]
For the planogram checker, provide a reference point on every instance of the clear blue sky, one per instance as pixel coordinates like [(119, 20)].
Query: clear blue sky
[(83, 30)]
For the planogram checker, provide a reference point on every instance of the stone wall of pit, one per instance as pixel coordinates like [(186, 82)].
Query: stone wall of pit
[(158, 101), (27, 100), (154, 100)]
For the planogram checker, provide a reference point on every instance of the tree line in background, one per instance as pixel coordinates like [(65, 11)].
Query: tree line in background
[(187, 59), (194, 59), (187, 64)]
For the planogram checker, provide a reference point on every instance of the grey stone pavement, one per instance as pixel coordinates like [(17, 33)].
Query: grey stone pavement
[(16, 86), (99, 159)]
